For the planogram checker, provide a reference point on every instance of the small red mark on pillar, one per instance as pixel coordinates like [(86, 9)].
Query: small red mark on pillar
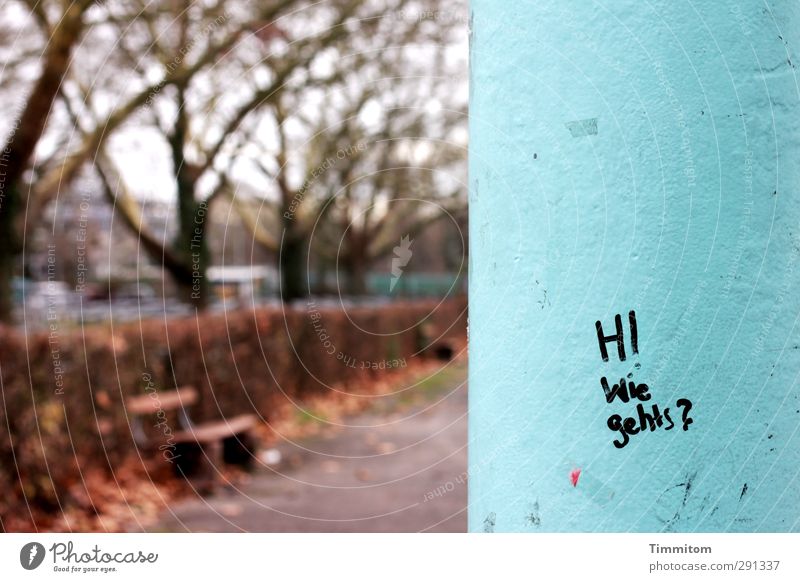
[(574, 475)]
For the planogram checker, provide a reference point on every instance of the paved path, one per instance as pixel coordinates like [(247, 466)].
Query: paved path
[(398, 468)]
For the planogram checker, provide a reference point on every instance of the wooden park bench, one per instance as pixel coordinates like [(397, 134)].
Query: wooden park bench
[(189, 446)]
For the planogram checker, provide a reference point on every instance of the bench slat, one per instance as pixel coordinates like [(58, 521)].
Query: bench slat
[(219, 429), (154, 401)]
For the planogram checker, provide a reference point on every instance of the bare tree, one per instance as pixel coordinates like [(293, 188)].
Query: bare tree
[(199, 75), (107, 61), (196, 157), (341, 180), (60, 33)]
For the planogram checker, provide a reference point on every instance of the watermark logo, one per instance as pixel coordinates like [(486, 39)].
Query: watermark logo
[(402, 255), (31, 555)]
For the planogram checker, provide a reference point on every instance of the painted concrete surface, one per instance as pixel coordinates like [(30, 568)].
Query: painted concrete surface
[(635, 157)]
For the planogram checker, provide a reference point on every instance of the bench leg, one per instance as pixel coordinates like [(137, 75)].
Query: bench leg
[(200, 463), (212, 465), (239, 450), (187, 459)]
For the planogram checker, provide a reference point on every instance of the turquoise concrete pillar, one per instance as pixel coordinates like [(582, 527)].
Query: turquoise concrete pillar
[(635, 287)]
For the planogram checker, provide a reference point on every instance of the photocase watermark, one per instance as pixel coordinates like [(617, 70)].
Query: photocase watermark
[(350, 361), (475, 469), (402, 255), (80, 247), (6, 153), (431, 14), (686, 134), (195, 246), (168, 447), (67, 559), (330, 162), (682, 330), (767, 323), (53, 335), (745, 22), (31, 555), (447, 487), (322, 333), (209, 29)]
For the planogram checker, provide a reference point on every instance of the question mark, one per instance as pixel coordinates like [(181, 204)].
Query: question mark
[(687, 403)]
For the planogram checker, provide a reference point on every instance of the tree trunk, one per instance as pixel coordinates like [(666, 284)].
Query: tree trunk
[(292, 271), (356, 262), (357, 276), (190, 243), (21, 143), (192, 246), (9, 248), (192, 287)]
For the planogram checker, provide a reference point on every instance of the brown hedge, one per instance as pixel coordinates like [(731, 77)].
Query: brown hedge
[(51, 436)]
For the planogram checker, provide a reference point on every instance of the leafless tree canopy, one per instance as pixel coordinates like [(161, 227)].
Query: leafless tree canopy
[(331, 129)]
